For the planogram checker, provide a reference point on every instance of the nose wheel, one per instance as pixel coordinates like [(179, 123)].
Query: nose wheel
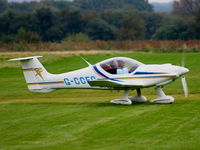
[(162, 98)]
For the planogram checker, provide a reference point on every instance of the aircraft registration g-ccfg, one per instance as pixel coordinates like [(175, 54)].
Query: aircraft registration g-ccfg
[(118, 73)]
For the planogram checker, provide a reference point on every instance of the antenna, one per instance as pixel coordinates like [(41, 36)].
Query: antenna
[(86, 61)]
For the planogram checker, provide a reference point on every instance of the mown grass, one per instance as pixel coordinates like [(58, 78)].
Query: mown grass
[(84, 119), (99, 125)]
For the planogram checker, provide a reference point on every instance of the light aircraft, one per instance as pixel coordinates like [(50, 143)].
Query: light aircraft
[(118, 73)]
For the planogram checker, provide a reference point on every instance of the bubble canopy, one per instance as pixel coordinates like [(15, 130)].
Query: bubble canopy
[(120, 65)]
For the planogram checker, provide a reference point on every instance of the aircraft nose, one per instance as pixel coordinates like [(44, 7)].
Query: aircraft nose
[(185, 70), (182, 70)]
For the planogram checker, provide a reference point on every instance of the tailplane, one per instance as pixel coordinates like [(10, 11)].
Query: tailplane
[(35, 74)]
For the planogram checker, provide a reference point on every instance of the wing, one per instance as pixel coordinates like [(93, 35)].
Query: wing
[(113, 84)]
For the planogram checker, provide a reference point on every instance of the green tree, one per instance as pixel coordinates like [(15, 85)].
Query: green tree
[(99, 29), (115, 16), (45, 20), (24, 6), (8, 22), (175, 30), (152, 21), (141, 5), (27, 37), (71, 21), (132, 28), (88, 15), (100, 5), (56, 4), (3, 5), (186, 7), (54, 34), (194, 28)]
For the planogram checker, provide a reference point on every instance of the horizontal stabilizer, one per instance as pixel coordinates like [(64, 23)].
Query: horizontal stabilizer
[(24, 58)]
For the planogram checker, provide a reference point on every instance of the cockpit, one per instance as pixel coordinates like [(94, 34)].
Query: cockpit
[(120, 65)]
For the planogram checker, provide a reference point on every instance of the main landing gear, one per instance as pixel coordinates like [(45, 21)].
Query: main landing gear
[(127, 100), (124, 100), (139, 98)]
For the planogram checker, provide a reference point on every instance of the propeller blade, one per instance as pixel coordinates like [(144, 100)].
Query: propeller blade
[(184, 84), (183, 61)]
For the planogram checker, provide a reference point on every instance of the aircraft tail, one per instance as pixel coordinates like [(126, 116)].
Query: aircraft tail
[(35, 74)]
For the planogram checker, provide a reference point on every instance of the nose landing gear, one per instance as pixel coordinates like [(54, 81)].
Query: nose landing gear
[(162, 98)]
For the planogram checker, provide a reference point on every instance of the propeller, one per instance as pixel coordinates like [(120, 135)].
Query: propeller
[(183, 61), (184, 85), (183, 79)]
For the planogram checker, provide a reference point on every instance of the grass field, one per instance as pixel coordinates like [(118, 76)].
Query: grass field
[(85, 120)]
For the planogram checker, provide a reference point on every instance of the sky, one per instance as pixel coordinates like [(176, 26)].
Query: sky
[(160, 1)]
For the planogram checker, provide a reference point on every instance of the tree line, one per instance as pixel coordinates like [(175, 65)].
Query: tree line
[(109, 20)]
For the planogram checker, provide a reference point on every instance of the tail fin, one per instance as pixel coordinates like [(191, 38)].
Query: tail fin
[(34, 73)]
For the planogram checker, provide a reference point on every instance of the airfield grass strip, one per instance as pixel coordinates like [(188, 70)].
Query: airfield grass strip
[(85, 119)]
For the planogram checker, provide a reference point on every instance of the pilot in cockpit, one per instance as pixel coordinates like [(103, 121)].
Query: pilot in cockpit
[(122, 69), (120, 65), (116, 67)]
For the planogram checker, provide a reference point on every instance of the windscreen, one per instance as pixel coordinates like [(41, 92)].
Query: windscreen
[(120, 65)]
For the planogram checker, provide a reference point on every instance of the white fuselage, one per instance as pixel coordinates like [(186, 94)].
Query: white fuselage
[(114, 73), (143, 76)]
